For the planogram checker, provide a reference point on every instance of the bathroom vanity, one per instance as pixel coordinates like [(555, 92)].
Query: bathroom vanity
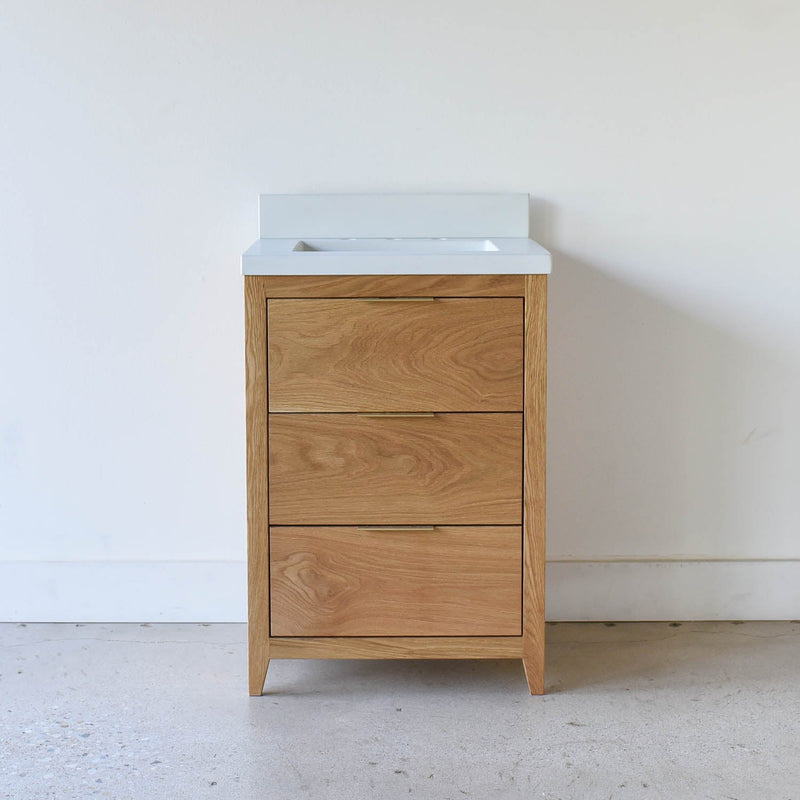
[(396, 392)]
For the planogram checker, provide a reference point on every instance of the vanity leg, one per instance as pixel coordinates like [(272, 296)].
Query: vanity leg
[(534, 496), (257, 482), (534, 674), (259, 663)]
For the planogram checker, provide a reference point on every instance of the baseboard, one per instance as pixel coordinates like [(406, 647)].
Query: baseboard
[(123, 591), (673, 590), (214, 591)]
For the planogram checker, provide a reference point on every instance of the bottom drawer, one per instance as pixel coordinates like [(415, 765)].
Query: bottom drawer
[(440, 581)]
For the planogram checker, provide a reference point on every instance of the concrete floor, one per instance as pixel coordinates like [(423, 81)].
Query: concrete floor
[(635, 710)]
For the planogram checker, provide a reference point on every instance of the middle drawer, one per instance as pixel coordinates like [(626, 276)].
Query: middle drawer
[(348, 469)]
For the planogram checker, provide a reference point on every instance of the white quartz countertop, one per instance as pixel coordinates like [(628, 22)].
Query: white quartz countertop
[(394, 234), (393, 256)]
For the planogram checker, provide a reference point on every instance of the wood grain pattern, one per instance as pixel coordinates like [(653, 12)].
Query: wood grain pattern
[(343, 469), (390, 285), (451, 581), (257, 484), (535, 485), (398, 647), (414, 473), (453, 354)]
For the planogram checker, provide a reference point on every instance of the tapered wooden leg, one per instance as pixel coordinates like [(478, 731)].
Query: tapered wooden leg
[(534, 481), (534, 674), (258, 665)]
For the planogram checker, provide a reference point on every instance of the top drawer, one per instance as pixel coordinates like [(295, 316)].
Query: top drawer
[(444, 354)]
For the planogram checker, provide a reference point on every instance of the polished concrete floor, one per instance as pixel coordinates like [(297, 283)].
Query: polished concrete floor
[(636, 710)]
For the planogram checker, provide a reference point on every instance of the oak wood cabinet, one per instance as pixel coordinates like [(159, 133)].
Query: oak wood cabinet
[(396, 468)]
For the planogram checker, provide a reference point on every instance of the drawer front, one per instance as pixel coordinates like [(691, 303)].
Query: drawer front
[(343, 581), (448, 354), (347, 469)]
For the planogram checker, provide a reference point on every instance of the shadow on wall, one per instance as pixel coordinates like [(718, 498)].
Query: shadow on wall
[(667, 437)]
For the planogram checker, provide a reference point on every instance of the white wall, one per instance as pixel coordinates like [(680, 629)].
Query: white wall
[(660, 142)]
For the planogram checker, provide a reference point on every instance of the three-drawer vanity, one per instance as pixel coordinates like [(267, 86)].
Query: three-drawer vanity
[(396, 392)]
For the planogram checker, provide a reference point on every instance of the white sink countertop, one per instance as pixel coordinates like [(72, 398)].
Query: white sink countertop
[(395, 256), (394, 234)]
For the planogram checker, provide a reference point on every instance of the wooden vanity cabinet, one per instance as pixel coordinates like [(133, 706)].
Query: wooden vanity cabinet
[(396, 468)]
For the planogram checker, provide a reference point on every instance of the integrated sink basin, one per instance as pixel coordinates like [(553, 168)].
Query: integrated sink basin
[(397, 245), (394, 235)]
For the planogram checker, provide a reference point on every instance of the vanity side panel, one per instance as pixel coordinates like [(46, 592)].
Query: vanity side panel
[(534, 489), (257, 482)]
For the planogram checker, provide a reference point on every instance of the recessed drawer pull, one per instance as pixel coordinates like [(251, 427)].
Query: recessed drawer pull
[(395, 414), (396, 527), (394, 299)]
